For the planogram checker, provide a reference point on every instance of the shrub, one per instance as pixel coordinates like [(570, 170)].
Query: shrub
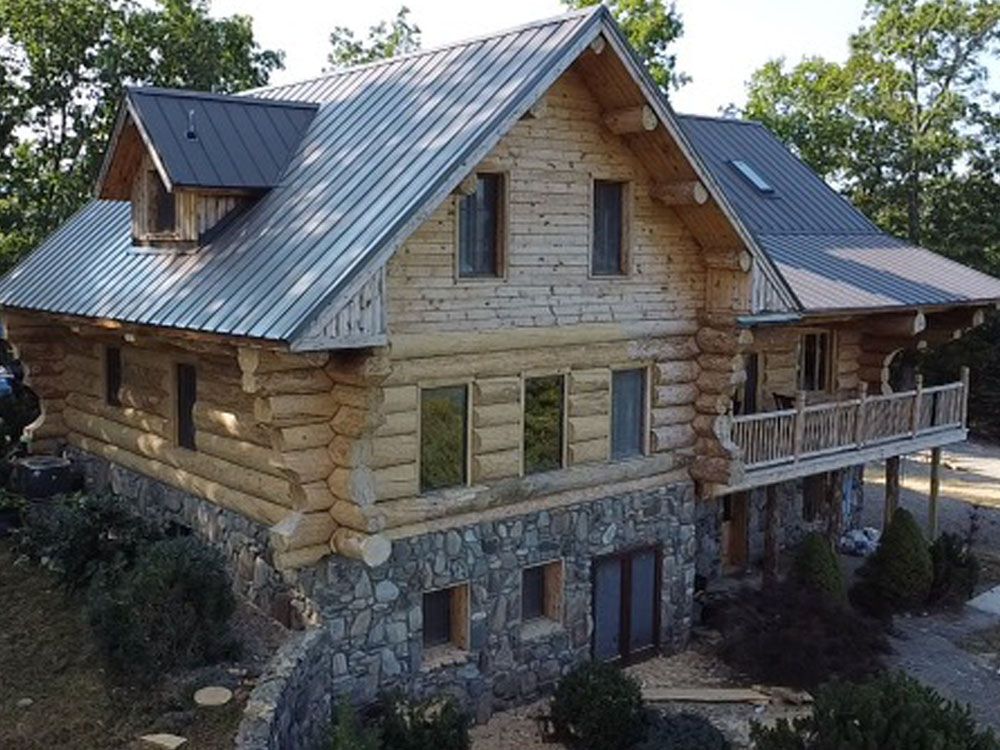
[(85, 534), (683, 732), (171, 609), (433, 725), (899, 575), (349, 733), (956, 571), (816, 567), (891, 712), (790, 635), (598, 707)]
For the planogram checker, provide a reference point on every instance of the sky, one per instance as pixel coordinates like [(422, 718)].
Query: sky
[(724, 41)]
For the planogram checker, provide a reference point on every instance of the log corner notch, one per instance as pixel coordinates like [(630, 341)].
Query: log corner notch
[(637, 119), (683, 193)]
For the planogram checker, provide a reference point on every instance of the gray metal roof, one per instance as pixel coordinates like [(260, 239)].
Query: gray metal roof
[(828, 252), (239, 142)]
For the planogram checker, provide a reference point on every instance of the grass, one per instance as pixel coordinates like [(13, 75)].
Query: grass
[(48, 656)]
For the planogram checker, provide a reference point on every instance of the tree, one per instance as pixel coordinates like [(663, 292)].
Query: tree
[(651, 26), (385, 39), (63, 66)]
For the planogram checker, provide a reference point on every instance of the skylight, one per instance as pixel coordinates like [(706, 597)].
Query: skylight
[(752, 176)]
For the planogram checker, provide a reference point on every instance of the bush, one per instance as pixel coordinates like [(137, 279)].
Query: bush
[(956, 571), (349, 733), (791, 635), (434, 725), (598, 707), (899, 575), (683, 732), (83, 535), (815, 567), (171, 609), (891, 712)]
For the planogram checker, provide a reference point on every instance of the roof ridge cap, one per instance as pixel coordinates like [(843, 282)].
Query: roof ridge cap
[(219, 97)]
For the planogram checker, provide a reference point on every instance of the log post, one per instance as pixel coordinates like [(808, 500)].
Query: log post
[(771, 524), (932, 504), (891, 489), (861, 418), (800, 423), (918, 398), (965, 396)]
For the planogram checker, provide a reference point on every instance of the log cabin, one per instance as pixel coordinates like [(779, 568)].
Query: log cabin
[(478, 358)]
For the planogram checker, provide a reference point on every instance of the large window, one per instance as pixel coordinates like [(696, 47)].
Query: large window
[(187, 395), (446, 618), (543, 423), (443, 437), (628, 413), (607, 254), (816, 362), (481, 228), (112, 376)]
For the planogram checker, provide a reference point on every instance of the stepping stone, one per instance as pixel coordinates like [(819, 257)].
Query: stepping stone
[(25, 703), (213, 696), (988, 601), (164, 741)]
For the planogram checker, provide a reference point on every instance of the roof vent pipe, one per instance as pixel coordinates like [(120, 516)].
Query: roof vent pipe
[(192, 134)]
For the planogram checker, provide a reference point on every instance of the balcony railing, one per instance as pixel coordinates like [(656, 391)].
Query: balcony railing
[(814, 430)]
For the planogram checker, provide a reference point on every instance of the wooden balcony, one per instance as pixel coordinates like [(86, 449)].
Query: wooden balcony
[(815, 437)]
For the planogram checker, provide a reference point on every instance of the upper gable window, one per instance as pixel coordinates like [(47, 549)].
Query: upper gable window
[(162, 206), (607, 253), (481, 228)]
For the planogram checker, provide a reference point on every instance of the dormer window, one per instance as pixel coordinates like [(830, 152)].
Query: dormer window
[(162, 208)]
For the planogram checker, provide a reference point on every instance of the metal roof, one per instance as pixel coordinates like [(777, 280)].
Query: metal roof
[(218, 141), (829, 253)]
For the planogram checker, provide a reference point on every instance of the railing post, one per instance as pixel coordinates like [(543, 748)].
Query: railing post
[(918, 396), (800, 423), (965, 396), (859, 420)]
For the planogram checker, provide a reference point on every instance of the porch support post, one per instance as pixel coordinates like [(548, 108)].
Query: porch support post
[(932, 504), (891, 489), (771, 523)]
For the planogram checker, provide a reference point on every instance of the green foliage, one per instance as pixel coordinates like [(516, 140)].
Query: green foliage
[(435, 725), (816, 567), (598, 707), (443, 435), (900, 573), (891, 712), (171, 609), (651, 26), (385, 39), (63, 66), (83, 536), (956, 571), (348, 732), (683, 732), (543, 423), (790, 635)]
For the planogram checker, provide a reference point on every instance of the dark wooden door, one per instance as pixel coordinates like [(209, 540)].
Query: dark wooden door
[(626, 605)]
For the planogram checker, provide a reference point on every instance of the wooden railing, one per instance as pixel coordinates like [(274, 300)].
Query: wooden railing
[(813, 430)]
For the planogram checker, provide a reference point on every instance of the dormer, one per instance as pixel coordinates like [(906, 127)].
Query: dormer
[(190, 162)]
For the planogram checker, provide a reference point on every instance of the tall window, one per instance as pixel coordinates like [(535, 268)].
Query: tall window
[(816, 362), (443, 437), (187, 395), (607, 255), (628, 413), (112, 376), (161, 207), (480, 228), (543, 423)]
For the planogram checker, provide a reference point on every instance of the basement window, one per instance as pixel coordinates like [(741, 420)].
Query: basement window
[(112, 376), (481, 229), (187, 395), (544, 409), (445, 621), (752, 176), (542, 593), (444, 427)]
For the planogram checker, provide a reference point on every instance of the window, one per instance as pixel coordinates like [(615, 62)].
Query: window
[(752, 176), (187, 394), (112, 375), (628, 413), (161, 207), (541, 592), (607, 255), (745, 401), (816, 362), (444, 417), (481, 228), (543, 423), (446, 618)]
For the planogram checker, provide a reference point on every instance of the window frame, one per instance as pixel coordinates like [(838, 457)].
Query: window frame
[(112, 396), (828, 372), (459, 622), (553, 582), (181, 415), (564, 420), (502, 231), (625, 260), (646, 446), (467, 384)]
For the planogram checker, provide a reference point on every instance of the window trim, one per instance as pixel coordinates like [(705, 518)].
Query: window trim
[(627, 217), (830, 374), (647, 414), (503, 231), (564, 373), (175, 384), (468, 384), (113, 398)]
